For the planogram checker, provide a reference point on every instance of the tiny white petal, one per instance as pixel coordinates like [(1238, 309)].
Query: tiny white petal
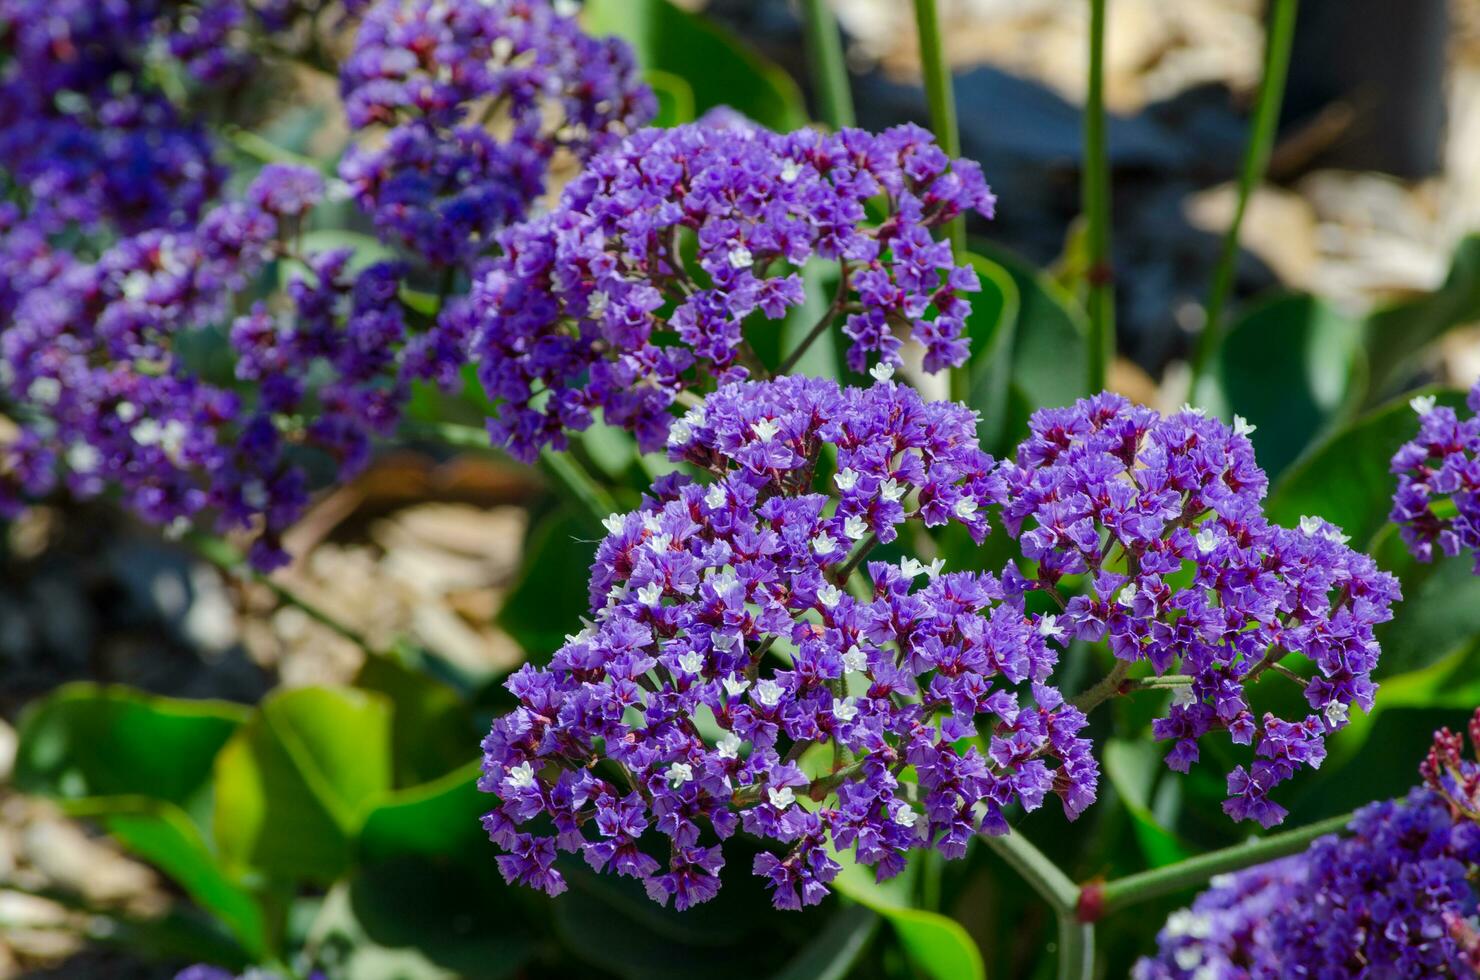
[(768, 692), (1310, 526), (891, 489), (521, 776), (781, 798), (1048, 625), (740, 258), (1242, 426), (735, 685), (650, 594), (846, 479), (829, 595), (790, 171), (855, 527), (905, 817), (729, 746), (680, 773), (1182, 696), (680, 433), (1207, 540), (824, 545), (715, 496), (935, 567), (691, 662), (612, 523), (659, 542), (650, 523), (855, 659), (765, 429), (1127, 596), (911, 567), (882, 371), (1336, 713), (965, 507), (1422, 404), (845, 709)]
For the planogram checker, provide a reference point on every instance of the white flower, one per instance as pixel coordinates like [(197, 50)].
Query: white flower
[(935, 567), (691, 662), (768, 692), (891, 489), (1182, 696), (829, 595), (845, 709), (855, 527), (904, 816), (1242, 426), (846, 479), (790, 171), (1186, 922), (824, 545), (566, 8), (650, 523), (136, 284), (735, 685), (882, 371), (715, 496), (964, 508), (147, 432), (1048, 625), (911, 567), (1336, 713), (1127, 597), (724, 582), (740, 258), (1187, 407), (650, 594), (680, 433), (781, 798), (584, 636), (1422, 404), (254, 494), (126, 412), (47, 391), (765, 429), (521, 776), (1207, 540), (722, 641), (612, 523), (855, 659), (680, 773), (83, 458), (659, 543), (729, 746)]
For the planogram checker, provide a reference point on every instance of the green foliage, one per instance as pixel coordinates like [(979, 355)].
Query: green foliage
[(1398, 335)]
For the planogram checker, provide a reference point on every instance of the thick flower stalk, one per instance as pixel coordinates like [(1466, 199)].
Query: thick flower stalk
[(1158, 524), (1437, 503), (444, 78), (637, 288), (745, 669), (1395, 898), (92, 360)]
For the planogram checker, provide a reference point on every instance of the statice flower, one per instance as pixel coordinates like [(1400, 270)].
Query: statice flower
[(744, 669), (638, 286), (92, 359), (1394, 898), (1157, 522), (445, 77), (1437, 502)]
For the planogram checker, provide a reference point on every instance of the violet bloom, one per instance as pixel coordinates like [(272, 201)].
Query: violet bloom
[(1395, 898), (445, 77), (1160, 520), (737, 673), (597, 306), (1437, 502)]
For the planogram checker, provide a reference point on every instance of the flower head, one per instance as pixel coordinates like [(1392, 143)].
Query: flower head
[(835, 688), (1437, 502)]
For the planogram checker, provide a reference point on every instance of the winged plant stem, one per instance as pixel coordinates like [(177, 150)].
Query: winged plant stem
[(828, 69), (1256, 159), (1076, 938), (1095, 193)]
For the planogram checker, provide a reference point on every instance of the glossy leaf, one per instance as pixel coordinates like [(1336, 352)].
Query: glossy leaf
[(939, 946), (440, 817), (721, 69), (1397, 334), (992, 328), (550, 598), (431, 727), (1132, 768)]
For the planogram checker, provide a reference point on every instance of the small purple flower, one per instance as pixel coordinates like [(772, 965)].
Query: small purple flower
[(1437, 503), (1160, 521), (596, 306), (744, 667)]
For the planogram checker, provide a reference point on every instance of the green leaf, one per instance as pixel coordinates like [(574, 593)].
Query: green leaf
[(550, 598), (422, 918), (992, 328), (366, 251), (1050, 361), (1440, 611), (1396, 335), (88, 741), (721, 69), (1293, 367), (832, 955), (431, 727), (939, 946), (438, 818), (1132, 768), (292, 786), (1345, 477), (675, 98)]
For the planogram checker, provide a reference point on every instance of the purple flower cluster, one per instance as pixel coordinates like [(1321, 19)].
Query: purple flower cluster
[(90, 357), (1438, 496), (743, 670), (443, 76), (1160, 519), (1394, 899), (581, 311)]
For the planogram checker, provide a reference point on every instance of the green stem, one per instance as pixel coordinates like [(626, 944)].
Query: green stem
[(1076, 948), (942, 99), (829, 71), (1095, 193), (1256, 159), (1113, 896), (1034, 867)]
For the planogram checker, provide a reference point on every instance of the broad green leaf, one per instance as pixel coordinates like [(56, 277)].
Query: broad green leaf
[(422, 918), (1132, 768), (992, 327), (86, 741), (940, 947), (1293, 367), (1397, 334), (293, 784), (431, 727), (1345, 477), (675, 98), (438, 818), (1050, 362), (550, 598), (1440, 611), (832, 955), (721, 69)]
